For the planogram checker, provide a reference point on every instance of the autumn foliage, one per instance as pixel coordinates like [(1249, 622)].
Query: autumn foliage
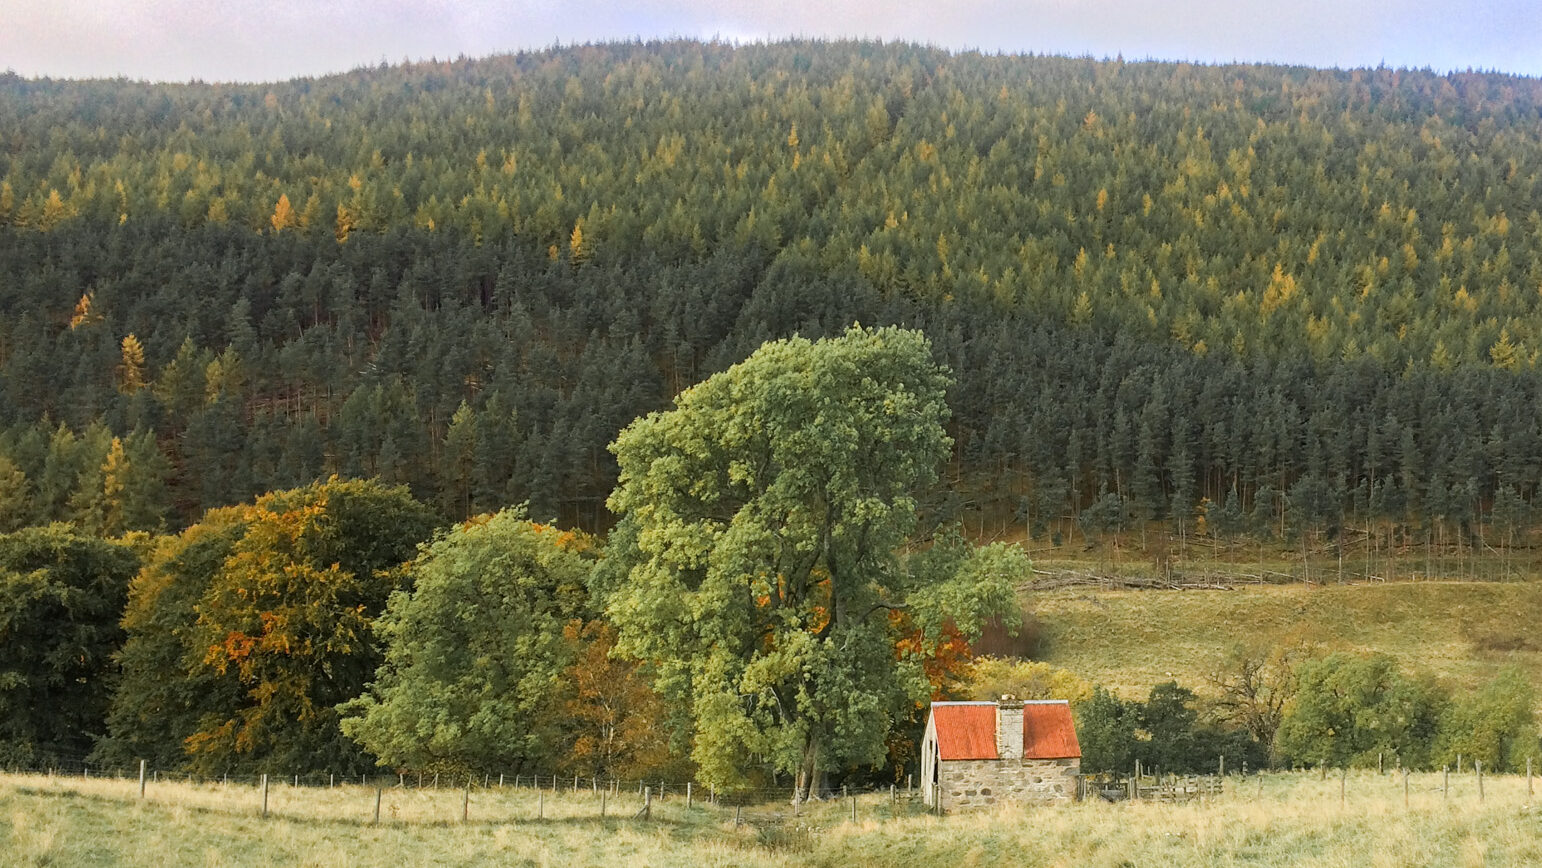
[(274, 623)]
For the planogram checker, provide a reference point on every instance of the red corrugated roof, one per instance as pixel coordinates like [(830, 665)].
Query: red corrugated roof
[(1049, 732), (965, 732)]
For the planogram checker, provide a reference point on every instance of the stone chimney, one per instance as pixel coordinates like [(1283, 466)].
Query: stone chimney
[(1009, 728)]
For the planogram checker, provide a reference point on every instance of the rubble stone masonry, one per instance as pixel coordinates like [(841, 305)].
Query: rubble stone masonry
[(970, 784)]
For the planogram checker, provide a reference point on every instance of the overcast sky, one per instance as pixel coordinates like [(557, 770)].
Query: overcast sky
[(264, 40)]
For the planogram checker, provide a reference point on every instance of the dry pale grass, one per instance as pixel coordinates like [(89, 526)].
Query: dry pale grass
[(1292, 819), (72, 821), (1297, 819)]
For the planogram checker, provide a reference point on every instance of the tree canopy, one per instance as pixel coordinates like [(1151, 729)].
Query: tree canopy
[(61, 595), (475, 651), (246, 632), (762, 518)]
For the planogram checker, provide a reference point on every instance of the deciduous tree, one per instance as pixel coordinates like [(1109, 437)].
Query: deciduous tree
[(61, 595), (474, 653), (761, 520)]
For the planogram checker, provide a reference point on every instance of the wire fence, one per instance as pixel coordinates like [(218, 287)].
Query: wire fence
[(447, 797), (503, 797)]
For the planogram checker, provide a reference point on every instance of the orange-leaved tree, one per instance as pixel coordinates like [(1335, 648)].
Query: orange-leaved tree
[(617, 726), (286, 621)]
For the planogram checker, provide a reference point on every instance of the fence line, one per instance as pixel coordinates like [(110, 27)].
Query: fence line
[(486, 797)]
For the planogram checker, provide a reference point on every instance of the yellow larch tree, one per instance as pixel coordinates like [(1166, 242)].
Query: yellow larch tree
[(283, 214), (131, 373)]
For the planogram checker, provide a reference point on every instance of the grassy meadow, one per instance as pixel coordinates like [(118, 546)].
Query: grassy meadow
[(1292, 819), (1461, 632)]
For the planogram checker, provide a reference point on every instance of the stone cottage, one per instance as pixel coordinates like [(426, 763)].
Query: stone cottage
[(976, 754)]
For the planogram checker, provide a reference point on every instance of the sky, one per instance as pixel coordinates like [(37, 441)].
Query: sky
[(268, 40)]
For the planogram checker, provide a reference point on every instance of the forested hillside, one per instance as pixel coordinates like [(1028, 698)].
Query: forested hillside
[(1311, 297)]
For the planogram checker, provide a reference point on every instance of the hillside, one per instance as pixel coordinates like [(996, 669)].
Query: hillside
[(1460, 632), (1307, 297)]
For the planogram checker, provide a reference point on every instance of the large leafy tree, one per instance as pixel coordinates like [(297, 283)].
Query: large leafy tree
[(61, 595), (256, 623), (761, 520), (475, 652)]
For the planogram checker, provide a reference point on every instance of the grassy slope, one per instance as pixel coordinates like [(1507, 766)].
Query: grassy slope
[(1294, 819), (1462, 632)]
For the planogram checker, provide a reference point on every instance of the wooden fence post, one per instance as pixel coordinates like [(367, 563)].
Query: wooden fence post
[(647, 803), (688, 795), (1405, 788), (465, 802), (1344, 785), (1220, 770), (1381, 767), (377, 806), (540, 804), (141, 779), (264, 795), (1445, 782), (853, 809), (1477, 766), (603, 794)]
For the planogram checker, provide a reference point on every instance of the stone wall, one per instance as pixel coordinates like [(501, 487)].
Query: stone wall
[(970, 784)]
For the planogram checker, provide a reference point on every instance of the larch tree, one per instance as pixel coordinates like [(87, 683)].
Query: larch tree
[(756, 565)]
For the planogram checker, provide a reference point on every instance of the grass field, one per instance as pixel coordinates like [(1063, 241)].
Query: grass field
[(1462, 632), (1292, 819)]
